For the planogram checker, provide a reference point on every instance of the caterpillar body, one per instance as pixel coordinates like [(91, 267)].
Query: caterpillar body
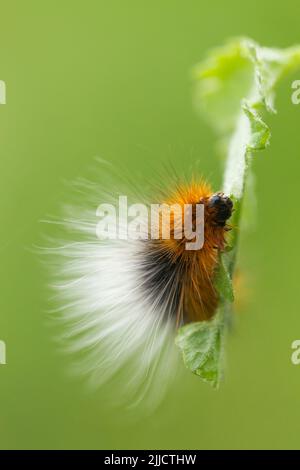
[(121, 301)]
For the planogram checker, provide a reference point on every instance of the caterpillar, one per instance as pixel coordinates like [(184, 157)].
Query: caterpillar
[(122, 300), (189, 275)]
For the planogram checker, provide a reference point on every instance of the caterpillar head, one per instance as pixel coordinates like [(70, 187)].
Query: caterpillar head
[(219, 209)]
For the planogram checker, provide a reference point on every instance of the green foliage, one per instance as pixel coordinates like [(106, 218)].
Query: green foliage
[(223, 282), (200, 343), (234, 88)]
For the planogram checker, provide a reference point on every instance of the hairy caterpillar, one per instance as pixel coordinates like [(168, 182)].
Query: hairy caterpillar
[(189, 275), (122, 300)]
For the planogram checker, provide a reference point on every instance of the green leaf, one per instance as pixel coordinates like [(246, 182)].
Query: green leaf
[(223, 282), (200, 343), (260, 133), (234, 89)]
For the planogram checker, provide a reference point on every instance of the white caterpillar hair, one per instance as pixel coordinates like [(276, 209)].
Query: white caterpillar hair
[(115, 323)]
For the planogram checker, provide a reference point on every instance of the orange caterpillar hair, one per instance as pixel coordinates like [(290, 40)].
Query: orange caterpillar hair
[(189, 275)]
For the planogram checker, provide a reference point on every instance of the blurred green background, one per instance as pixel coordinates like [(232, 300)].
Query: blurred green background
[(112, 79)]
